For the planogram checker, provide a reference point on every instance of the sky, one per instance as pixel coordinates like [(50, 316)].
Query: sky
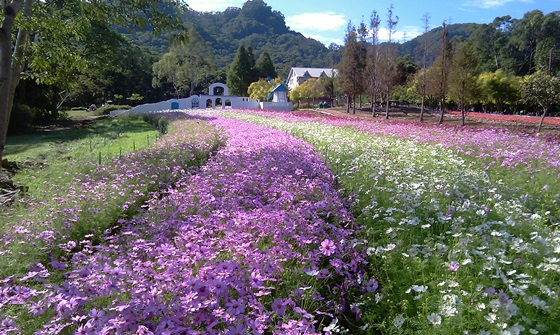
[(327, 20)]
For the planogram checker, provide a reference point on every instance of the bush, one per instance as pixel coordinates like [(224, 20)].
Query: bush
[(105, 110), (22, 116)]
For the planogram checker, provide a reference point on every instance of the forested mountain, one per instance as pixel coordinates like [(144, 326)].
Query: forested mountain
[(255, 25), (432, 38)]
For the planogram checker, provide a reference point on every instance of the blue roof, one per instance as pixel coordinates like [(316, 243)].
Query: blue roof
[(280, 88)]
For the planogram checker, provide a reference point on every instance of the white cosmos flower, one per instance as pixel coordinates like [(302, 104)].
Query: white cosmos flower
[(434, 319), (398, 321), (494, 304), (419, 288), (491, 317)]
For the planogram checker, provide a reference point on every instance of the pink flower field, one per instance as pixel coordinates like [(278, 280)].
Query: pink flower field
[(257, 241), (262, 222)]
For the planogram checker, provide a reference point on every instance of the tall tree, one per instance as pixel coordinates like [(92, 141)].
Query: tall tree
[(389, 61), (462, 84), (253, 62), (491, 42), (426, 21), (240, 74), (542, 90), (264, 66), (328, 87), (185, 66), (12, 55), (445, 60), (372, 63), (351, 67)]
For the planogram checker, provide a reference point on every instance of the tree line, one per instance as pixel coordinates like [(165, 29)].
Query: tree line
[(508, 66)]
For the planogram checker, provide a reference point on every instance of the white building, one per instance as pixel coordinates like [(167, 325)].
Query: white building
[(213, 100), (298, 75)]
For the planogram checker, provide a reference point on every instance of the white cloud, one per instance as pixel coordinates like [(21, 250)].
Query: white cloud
[(213, 5), (316, 21), (403, 34), (488, 4), (324, 39)]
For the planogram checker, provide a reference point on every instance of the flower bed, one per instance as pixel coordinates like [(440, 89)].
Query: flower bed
[(257, 241), (458, 245)]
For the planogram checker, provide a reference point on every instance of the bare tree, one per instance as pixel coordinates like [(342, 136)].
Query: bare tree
[(389, 64), (426, 20), (372, 64), (445, 59)]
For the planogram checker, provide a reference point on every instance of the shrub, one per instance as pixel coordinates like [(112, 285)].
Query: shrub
[(22, 116), (105, 110)]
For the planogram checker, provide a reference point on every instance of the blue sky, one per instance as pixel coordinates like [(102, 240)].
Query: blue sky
[(326, 20)]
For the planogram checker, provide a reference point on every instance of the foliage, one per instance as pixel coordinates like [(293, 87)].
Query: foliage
[(328, 85), (542, 90), (498, 90), (260, 89), (108, 108), (240, 73), (264, 67), (517, 46), (254, 25), (58, 30), (23, 116), (351, 66), (462, 80), (310, 89), (185, 66)]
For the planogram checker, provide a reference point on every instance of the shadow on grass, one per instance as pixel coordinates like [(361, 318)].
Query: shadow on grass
[(42, 138)]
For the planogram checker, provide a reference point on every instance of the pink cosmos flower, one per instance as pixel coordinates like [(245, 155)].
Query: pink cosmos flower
[(279, 306), (235, 307), (372, 285), (453, 267), (327, 247)]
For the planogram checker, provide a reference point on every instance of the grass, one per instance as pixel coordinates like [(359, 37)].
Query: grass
[(105, 135)]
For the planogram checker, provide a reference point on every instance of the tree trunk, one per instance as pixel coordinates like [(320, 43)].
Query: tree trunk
[(9, 14), (372, 106), (422, 110), (354, 104), (348, 104), (441, 111), (20, 49), (387, 105), (542, 119)]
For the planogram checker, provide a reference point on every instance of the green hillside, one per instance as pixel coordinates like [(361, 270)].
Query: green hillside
[(255, 25), (414, 47)]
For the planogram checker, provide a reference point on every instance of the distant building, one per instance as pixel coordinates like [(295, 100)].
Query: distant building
[(298, 75), (214, 100)]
